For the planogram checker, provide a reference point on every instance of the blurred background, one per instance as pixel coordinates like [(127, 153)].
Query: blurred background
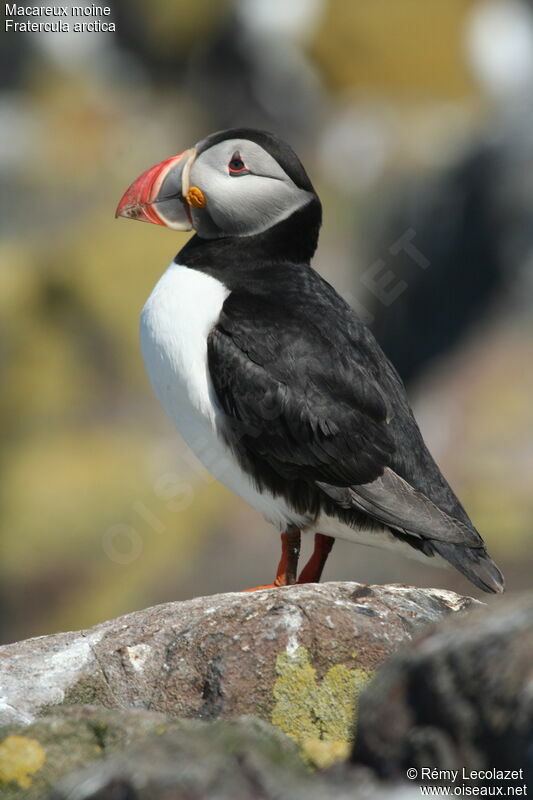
[(414, 119)]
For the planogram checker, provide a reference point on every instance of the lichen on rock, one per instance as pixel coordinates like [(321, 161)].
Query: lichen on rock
[(20, 757), (296, 656), (319, 714)]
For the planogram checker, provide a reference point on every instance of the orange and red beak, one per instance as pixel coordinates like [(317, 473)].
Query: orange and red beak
[(159, 194)]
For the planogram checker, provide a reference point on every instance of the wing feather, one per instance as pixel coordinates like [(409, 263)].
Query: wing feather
[(394, 502), (309, 404)]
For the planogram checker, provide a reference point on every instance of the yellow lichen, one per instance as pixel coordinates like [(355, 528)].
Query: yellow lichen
[(323, 754), (19, 758), (319, 715)]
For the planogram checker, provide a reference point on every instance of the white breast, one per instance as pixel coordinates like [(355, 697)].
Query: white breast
[(175, 324)]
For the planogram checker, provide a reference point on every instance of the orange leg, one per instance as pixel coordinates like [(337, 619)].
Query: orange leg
[(288, 564), (312, 571)]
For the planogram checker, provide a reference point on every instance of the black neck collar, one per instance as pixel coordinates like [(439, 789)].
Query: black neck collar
[(292, 240)]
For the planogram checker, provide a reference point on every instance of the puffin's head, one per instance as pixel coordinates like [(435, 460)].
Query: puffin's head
[(237, 182)]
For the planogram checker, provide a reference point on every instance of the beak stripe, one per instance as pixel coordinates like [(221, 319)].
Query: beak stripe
[(140, 201)]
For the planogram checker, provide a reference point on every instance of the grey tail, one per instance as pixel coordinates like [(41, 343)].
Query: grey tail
[(475, 563)]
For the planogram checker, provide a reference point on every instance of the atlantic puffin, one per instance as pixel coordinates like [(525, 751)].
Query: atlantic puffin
[(270, 376)]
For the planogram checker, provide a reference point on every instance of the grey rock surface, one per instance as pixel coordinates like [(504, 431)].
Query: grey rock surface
[(460, 697), (218, 656), (141, 750), (242, 759), (33, 757)]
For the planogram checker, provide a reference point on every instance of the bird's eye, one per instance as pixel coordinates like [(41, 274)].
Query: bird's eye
[(237, 166)]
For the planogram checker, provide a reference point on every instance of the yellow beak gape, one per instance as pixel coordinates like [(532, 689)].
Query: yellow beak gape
[(196, 198)]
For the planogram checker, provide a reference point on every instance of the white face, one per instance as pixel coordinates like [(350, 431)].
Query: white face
[(245, 188)]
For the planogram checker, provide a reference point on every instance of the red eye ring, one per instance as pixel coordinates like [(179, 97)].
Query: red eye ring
[(237, 166)]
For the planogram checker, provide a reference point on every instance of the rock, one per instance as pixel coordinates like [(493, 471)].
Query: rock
[(243, 759), (297, 657), (217, 656), (146, 744), (32, 757), (147, 755), (458, 697)]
